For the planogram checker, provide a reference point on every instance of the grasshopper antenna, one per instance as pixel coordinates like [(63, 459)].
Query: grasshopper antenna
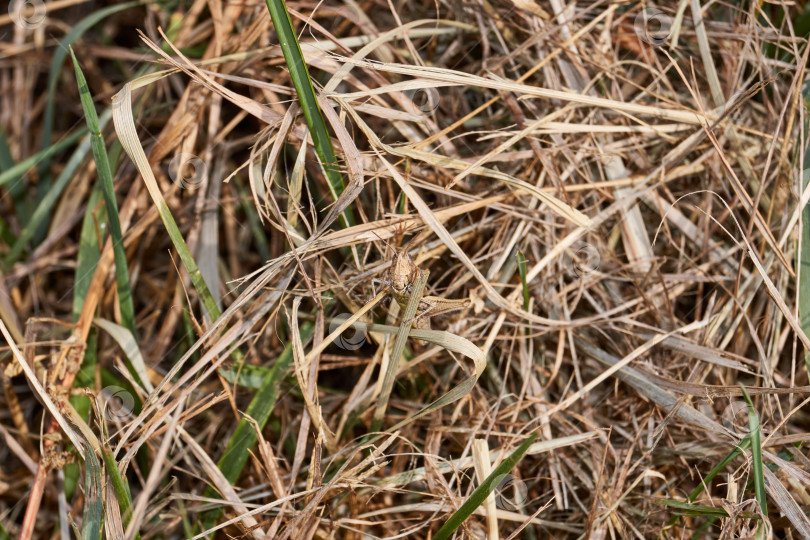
[(388, 246)]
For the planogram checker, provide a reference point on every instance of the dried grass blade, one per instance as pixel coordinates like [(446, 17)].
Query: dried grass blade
[(443, 467), (113, 525), (483, 468), (129, 345), (352, 159), (449, 341), (450, 77), (221, 484), (786, 503), (296, 184), (430, 220), (557, 206), (302, 364), (128, 135), (663, 399), (38, 388), (119, 487)]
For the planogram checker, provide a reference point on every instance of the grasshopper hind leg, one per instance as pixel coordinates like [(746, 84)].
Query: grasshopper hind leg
[(422, 318), (422, 323)]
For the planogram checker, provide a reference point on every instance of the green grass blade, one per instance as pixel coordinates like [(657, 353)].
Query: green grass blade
[(736, 451), (521, 263), (482, 491), (255, 225), (6, 160), (95, 220), (59, 56), (756, 453), (57, 61), (93, 509), (260, 408), (43, 210), (121, 488), (309, 103), (687, 509), (25, 165), (188, 261), (16, 190), (247, 377), (128, 135), (105, 176), (803, 255), (85, 378), (244, 438)]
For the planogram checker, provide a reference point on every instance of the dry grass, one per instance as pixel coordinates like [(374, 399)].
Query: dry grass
[(646, 160)]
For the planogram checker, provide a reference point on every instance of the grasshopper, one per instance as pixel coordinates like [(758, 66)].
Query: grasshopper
[(400, 279)]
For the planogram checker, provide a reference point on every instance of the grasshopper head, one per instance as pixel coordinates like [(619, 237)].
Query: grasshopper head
[(403, 272)]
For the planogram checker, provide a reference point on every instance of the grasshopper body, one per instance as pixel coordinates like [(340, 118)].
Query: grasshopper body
[(400, 279)]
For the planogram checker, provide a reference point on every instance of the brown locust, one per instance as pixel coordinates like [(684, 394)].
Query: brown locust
[(400, 278)]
